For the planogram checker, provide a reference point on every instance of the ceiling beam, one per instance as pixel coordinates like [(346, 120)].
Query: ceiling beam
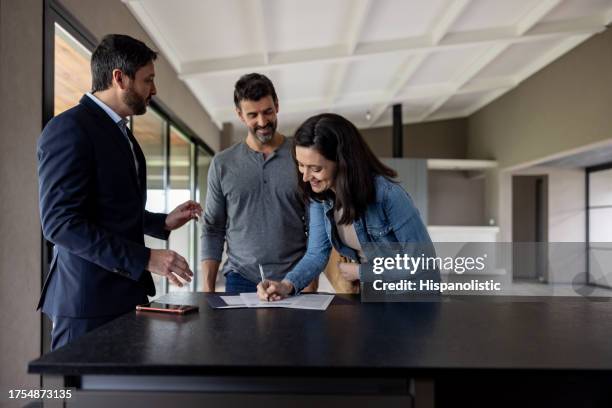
[(445, 19), (260, 29), (402, 76), (451, 11), (525, 23), (483, 101), (416, 93), (408, 119), (466, 75), (541, 9), (418, 45), (358, 16), (336, 84)]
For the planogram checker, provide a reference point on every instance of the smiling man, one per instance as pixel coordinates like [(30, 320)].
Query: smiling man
[(252, 201), (92, 182)]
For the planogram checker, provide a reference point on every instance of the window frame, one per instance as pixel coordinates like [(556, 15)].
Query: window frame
[(588, 171)]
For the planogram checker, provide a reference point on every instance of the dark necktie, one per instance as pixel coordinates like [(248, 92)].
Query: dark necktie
[(123, 126)]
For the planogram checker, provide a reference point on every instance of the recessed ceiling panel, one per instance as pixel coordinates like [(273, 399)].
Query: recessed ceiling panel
[(570, 9), (356, 114), (415, 107), (288, 122), (303, 81), (516, 58), (204, 29), (486, 14), (217, 91), (445, 66), (461, 102), (372, 74), (426, 91), (395, 19), (359, 98), (412, 110), (384, 119), (296, 24)]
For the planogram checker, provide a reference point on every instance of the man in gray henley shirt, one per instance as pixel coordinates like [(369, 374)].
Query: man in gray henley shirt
[(252, 201)]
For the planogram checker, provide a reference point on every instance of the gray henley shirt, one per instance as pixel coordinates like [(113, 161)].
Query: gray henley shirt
[(254, 205)]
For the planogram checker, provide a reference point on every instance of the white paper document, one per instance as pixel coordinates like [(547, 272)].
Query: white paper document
[(307, 301), (232, 302)]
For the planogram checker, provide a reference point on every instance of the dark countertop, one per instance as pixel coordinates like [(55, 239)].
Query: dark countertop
[(350, 338)]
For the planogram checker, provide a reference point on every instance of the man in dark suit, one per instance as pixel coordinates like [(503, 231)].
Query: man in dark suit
[(92, 179)]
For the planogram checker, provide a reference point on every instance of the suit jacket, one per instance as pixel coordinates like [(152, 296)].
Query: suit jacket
[(92, 208)]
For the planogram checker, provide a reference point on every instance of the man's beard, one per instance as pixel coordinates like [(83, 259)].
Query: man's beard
[(267, 138), (135, 102)]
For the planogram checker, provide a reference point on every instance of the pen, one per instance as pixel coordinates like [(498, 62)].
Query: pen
[(263, 278)]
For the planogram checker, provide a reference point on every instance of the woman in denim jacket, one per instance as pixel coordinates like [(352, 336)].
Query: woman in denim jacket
[(353, 201)]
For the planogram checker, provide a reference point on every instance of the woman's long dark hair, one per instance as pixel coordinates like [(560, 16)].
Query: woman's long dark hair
[(338, 140)]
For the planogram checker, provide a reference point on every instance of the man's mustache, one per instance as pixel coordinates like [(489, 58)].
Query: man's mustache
[(267, 127)]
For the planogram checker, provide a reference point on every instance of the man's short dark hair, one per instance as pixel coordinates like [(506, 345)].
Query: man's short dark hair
[(117, 51), (253, 87)]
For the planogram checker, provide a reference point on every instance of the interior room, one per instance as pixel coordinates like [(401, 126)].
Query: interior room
[(495, 114)]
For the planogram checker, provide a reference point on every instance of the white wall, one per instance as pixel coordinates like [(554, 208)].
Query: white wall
[(20, 259)]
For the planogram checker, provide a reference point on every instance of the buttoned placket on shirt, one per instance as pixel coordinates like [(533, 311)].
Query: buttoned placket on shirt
[(263, 161)]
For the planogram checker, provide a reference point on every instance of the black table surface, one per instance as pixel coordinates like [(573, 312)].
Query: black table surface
[(350, 338)]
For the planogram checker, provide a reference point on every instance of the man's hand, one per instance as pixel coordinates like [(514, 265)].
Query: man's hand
[(349, 271), (189, 210), (274, 290), (168, 263)]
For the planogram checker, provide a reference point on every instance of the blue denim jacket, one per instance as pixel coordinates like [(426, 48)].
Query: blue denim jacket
[(391, 218)]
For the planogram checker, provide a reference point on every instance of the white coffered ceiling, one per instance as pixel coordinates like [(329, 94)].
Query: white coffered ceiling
[(438, 58)]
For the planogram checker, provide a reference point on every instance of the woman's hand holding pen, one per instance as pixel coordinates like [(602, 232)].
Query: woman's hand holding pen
[(274, 290)]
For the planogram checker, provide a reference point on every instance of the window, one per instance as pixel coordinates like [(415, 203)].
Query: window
[(599, 220), (150, 132), (180, 190), (72, 74)]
